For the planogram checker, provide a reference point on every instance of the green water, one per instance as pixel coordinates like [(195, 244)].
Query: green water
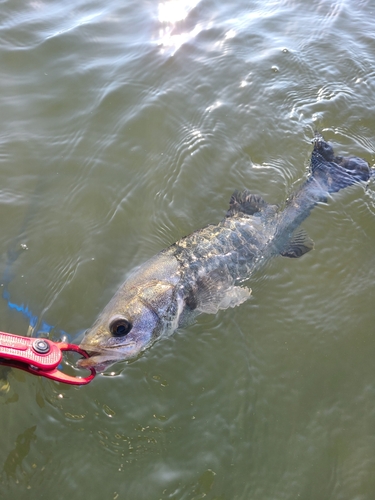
[(125, 126)]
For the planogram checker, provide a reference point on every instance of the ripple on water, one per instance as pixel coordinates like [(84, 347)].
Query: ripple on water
[(126, 126)]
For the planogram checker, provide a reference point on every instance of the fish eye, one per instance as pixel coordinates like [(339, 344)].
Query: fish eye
[(120, 326)]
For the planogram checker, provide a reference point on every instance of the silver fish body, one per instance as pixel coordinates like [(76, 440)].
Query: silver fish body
[(203, 272)]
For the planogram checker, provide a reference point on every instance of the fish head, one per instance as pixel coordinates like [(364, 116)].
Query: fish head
[(122, 335), (139, 313)]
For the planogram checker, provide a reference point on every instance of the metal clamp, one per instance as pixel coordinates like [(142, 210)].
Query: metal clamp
[(40, 357)]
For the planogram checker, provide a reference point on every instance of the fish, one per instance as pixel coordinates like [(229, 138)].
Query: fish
[(206, 271)]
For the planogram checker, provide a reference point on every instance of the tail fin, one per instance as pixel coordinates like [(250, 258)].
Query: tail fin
[(336, 172)]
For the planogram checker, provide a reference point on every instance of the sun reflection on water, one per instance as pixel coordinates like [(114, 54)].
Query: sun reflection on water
[(170, 13), (173, 11)]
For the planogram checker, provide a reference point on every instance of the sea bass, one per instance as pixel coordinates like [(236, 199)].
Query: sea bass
[(203, 272)]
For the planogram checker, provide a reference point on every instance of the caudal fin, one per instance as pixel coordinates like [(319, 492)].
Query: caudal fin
[(336, 172)]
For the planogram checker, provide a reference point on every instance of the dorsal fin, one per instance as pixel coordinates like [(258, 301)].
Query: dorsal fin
[(300, 244), (246, 203)]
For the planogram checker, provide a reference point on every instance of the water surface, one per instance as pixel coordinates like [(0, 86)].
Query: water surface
[(125, 126)]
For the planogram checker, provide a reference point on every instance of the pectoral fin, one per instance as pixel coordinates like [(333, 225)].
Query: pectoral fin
[(216, 291), (300, 244)]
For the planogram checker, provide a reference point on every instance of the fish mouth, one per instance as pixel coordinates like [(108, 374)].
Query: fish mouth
[(102, 358)]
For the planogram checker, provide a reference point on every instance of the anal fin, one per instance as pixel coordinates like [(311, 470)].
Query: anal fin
[(300, 244)]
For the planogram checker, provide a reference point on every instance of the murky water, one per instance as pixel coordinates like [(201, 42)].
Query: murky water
[(126, 125)]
